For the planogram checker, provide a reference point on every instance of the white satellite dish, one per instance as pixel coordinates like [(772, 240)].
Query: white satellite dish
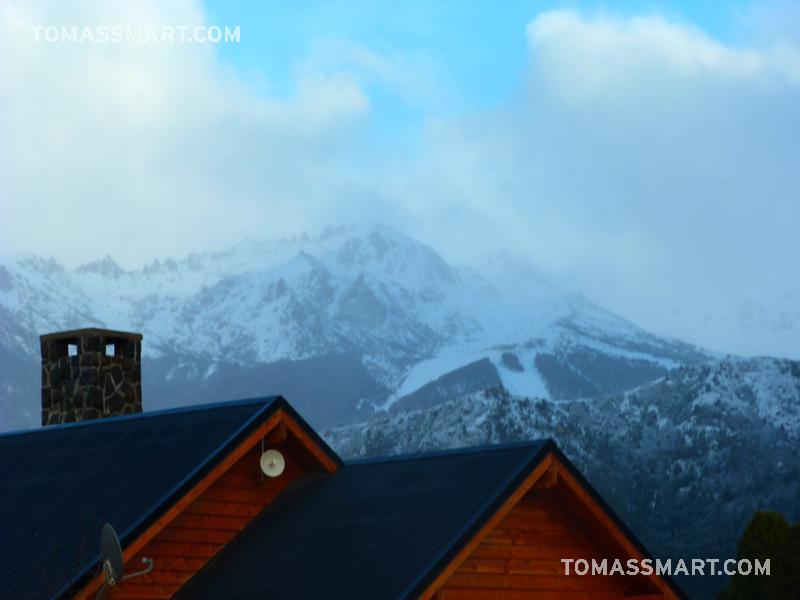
[(272, 463)]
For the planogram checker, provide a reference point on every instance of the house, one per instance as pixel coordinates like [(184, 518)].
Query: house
[(198, 516)]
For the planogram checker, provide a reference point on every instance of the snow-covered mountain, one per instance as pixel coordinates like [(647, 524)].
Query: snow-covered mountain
[(686, 459), (352, 321)]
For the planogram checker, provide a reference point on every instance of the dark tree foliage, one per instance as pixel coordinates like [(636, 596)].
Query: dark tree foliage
[(768, 536)]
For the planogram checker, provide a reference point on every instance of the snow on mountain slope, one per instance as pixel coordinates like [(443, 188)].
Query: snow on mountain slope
[(39, 295), (365, 293), (577, 349), (721, 395)]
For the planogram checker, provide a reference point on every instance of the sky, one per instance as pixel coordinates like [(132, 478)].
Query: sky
[(643, 154)]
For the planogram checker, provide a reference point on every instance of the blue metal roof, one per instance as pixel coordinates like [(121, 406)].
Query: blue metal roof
[(59, 484), (389, 525)]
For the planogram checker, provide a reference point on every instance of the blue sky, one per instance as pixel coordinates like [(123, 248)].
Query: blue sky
[(641, 153), (479, 47)]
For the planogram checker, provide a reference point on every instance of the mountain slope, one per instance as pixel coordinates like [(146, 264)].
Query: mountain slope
[(365, 296), (686, 459)]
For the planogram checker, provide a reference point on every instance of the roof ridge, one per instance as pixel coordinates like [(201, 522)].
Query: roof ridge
[(533, 444), (143, 415)]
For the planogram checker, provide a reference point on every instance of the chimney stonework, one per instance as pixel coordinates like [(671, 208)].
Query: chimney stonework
[(92, 383)]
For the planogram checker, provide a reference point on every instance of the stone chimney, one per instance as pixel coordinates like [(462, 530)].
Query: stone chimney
[(90, 374)]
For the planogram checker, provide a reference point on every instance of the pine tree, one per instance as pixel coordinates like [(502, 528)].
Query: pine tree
[(768, 536)]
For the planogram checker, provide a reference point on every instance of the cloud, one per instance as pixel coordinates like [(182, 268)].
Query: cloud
[(640, 160), (606, 58), (643, 163), (160, 142)]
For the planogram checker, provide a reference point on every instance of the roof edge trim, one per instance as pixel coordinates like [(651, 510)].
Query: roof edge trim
[(142, 415), (615, 519), (532, 444)]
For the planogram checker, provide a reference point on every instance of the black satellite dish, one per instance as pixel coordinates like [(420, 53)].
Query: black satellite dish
[(111, 553), (113, 563)]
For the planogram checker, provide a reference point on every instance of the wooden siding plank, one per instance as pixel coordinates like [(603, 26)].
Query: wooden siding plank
[(197, 536), (532, 583), (514, 566), (181, 563), (241, 495), (216, 522), (528, 537), (236, 509), (187, 549), (539, 523), (528, 552), (131, 590)]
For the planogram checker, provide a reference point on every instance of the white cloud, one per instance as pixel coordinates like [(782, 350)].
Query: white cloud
[(162, 142), (606, 57), (641, 161)]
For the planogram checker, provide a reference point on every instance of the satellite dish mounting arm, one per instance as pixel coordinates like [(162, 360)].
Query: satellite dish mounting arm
[(146, 561)]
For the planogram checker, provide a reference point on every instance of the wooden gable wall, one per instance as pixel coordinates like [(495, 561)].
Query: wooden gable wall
[(191, 532), (522, 555), (518, 554)]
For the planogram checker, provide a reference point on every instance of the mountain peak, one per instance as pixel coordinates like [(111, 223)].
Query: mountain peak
[(509, 269), (364, 230), (305, 259), (105, 267)]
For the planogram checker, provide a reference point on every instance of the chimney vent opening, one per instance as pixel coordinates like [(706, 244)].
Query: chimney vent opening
[(89, 374)]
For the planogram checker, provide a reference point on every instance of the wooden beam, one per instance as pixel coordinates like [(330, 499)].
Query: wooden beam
[(277, 435), (489, 594), (549, 480), (493, 521)]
